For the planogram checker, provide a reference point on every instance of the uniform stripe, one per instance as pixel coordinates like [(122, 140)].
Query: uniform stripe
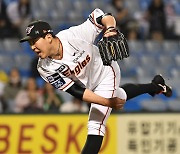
[(66, 85), (111, 96), (114, 76)]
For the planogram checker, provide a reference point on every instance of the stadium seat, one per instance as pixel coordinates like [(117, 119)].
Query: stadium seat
[(143, 73), (177, 60), (174, 105), (135, 103), (47, 5), (165, 60), (11, 45), (154, 105), (81, 5), (175, 73), (149, 60), (62, 8), (130, 62), (127, 66), (171, 47), (153, 47), (136, 47), (97, 4), (6, 62), (74, 15), (160, 70), (27, 49), (22, 61), (132, 106)]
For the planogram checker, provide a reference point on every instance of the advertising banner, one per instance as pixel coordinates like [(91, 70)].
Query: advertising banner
[(157, 133), (149, 133), (50, 134)]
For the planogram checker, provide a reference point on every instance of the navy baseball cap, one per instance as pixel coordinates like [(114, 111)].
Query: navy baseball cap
[(36, 29)]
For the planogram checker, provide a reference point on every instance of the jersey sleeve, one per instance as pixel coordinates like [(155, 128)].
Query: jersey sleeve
[(56, 79), (90, 29)]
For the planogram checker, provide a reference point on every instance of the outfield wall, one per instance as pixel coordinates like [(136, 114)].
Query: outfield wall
[(157, 133)]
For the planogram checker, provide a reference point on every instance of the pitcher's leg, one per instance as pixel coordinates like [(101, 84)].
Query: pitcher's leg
[(157, 86), (98, 116)]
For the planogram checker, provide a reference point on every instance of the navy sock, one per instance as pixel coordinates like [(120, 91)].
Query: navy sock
[(133, 90), (92, 145)]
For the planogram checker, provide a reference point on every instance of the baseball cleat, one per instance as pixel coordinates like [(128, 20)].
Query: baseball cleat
[(159, 81)]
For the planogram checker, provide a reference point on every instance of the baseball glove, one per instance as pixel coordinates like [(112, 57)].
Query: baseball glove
[(113, 47)]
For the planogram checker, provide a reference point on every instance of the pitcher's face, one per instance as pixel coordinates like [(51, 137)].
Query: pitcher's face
[(41, 46)]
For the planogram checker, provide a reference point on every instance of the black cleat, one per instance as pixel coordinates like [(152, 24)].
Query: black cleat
[(159, 81)]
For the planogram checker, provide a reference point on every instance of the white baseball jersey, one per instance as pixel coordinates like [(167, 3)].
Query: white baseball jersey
[(82, 63), (80, 57)]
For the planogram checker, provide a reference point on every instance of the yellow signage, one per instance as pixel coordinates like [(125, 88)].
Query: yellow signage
[(66, 134), (50, 134)]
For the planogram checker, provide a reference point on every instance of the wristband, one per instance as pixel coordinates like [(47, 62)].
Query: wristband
[(110, 28)]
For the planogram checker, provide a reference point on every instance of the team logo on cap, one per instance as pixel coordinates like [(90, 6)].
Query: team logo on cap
[(29, 29), (36, 32)]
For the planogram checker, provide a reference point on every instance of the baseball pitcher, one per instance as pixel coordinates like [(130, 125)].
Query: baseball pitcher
[(71, 62)]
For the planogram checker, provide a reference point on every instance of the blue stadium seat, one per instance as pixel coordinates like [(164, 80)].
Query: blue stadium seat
[(81, 5), (165, 71), (175, 73), (136, 47), (177, 60), (75, 15), (47, 5), (62, 8), (165, 60), (149, 60), (11, 44), (27, 49), (127, 66), (154, 105), (174, 105), (22, 61), (130, 62), (97, 4), (171, 47), (153, 47), (6, 62), (134, 104)]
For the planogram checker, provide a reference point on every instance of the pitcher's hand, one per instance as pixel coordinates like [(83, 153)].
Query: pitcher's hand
[(116, 103)]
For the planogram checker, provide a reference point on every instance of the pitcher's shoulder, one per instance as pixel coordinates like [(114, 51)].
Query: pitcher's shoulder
[(42, 62)]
